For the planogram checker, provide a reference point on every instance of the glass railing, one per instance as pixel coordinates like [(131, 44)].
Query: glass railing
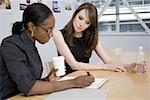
[(101, 3), (107, 22)]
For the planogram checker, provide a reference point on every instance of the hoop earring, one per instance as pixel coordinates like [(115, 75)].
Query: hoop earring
[(32, 34)]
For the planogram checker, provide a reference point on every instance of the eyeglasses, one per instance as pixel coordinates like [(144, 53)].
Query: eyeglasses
[(47, 30)]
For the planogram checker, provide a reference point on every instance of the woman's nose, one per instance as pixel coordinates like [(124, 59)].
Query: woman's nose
[(50, 34), (82, 24)]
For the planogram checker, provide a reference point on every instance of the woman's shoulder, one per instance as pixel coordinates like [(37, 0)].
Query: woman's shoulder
[(10, 38), (13, 39)]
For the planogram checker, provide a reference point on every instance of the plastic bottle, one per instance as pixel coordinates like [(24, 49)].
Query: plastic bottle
[(140, 60), (140, 55)]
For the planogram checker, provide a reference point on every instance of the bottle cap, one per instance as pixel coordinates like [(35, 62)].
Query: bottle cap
[(140, 47)]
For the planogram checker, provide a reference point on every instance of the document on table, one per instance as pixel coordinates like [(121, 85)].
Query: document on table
[(96, 84), (79, 94)]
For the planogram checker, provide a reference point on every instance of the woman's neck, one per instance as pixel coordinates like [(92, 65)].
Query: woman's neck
[(31, 37), (78, 35)]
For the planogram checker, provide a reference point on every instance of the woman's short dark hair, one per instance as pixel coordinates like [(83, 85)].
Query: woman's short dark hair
[(35, 13)]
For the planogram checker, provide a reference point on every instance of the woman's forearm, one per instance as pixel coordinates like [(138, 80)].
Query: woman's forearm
[(81, 65), (43, 87)]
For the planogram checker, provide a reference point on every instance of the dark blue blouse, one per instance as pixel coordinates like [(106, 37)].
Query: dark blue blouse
[(20, 65)]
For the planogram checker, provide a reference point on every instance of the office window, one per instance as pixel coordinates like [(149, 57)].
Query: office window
[(113, 27), (135, 2), (146, 1), (127, 21), (131, 28)]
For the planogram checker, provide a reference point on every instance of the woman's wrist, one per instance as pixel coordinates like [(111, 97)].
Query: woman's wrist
[(72, 83), (44, 79), (108, 67)]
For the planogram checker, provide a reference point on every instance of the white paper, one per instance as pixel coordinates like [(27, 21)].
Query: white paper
[(79, 94), (96, 84)]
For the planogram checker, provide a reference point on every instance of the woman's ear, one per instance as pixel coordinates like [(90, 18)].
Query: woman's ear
[(31, 26)]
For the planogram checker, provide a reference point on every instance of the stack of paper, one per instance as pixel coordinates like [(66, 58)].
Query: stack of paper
[(79, 94), (89, 93)]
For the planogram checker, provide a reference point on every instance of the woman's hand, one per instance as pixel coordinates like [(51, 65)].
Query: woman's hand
[(52, 75), (137, 68), (118, 67), (83, 81), (146, 67)]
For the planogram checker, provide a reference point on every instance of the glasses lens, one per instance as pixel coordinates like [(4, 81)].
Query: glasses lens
[(50, 30)]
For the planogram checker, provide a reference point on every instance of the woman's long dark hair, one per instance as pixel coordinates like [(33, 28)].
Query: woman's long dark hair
[(90, 35), (35, 13)]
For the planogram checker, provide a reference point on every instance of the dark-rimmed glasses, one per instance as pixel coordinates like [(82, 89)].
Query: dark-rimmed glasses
[(47, 30)]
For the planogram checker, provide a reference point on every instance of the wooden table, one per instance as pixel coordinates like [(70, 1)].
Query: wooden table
[(124, 86), (120, 86)]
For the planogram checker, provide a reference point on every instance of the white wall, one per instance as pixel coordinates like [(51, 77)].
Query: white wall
[(129, 42), (126, 42)]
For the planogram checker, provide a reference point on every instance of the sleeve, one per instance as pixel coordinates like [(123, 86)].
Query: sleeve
[(17, 66)]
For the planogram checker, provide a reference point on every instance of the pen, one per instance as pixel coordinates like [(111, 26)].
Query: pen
[(88, 74)]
